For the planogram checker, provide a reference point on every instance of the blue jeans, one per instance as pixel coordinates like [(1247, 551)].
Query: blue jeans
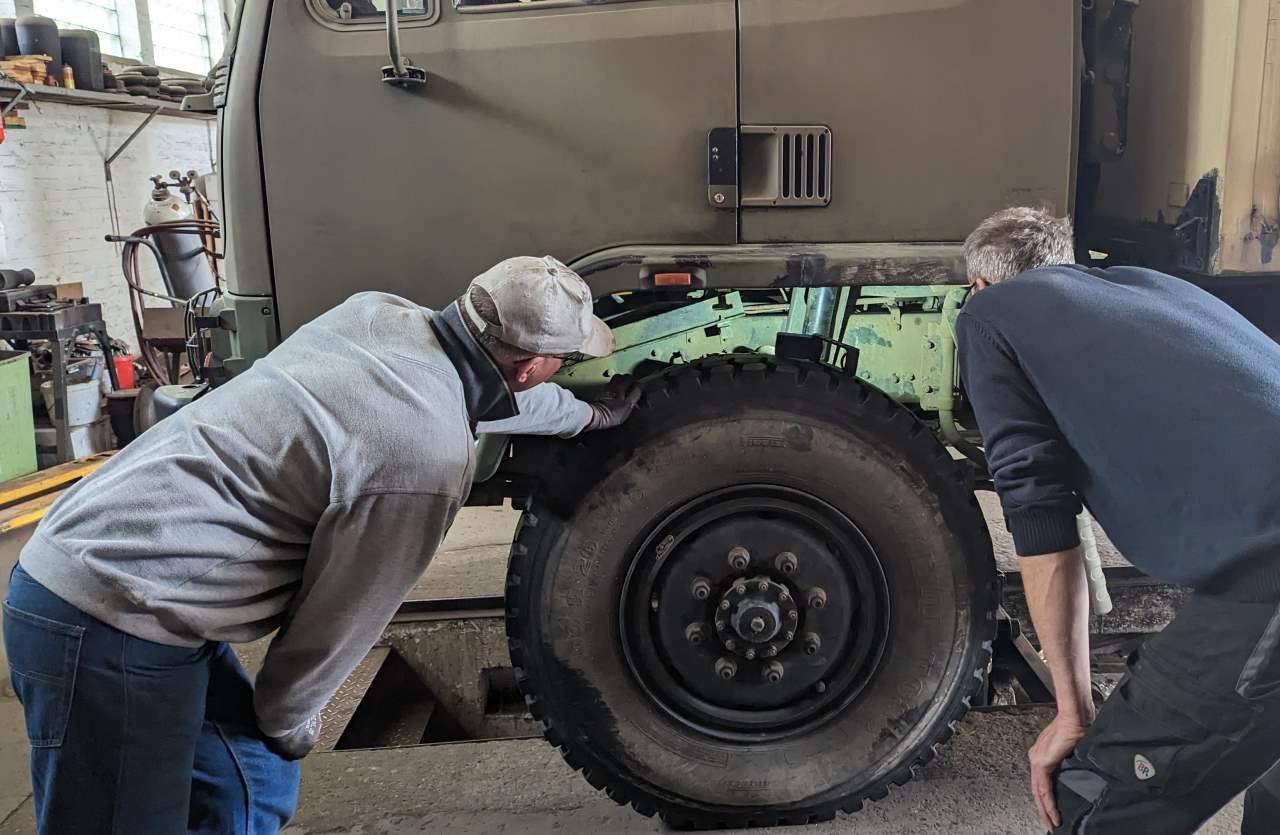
[(129, 736)]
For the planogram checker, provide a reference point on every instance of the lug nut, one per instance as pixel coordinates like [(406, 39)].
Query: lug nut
[(696, 633), (817, 598), (821, 687), (739, 557), (771, 651), (786, 562), (724, 604), (751, 654), (730, 644), (785, 597), (741, 588), (773, 672), (789, 635), (812, 643), (700, 588), (720, 624), (763, 585), (793, 615), (726, 668)]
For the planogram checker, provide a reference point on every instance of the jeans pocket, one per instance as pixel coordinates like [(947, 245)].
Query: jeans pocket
[(43, 655), (1260, 678)]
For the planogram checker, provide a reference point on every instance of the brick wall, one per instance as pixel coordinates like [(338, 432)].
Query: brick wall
[(54, 202)]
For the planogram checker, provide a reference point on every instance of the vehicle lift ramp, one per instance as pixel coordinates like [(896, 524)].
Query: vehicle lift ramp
[(440, 671)]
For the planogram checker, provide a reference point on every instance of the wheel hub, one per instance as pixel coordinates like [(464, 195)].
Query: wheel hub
[(760, 616), (756, 609)]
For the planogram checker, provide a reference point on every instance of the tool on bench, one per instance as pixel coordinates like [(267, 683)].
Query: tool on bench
[(35, 312), (13, 279)]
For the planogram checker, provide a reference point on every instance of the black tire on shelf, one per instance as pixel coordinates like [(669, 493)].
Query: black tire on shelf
[(770, 452), (136, 80)]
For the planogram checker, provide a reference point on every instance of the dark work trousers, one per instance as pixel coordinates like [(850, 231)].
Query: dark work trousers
[(130, 737), (1195, 721)]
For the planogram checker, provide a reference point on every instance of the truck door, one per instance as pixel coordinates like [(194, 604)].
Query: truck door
[(557, 127), (940, 112)]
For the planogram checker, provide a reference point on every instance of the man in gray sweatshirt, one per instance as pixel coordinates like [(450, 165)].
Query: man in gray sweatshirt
[(306, 495)]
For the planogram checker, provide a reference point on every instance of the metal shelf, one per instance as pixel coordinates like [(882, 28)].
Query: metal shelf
[(105, 101)]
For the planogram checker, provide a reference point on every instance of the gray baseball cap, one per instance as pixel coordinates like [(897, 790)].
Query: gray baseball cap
[(543, 308)]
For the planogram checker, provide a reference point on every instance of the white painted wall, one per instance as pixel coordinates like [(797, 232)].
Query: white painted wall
[(54, 203)]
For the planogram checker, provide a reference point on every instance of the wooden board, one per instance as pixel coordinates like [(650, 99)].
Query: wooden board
[(44, 481), (26, 513)]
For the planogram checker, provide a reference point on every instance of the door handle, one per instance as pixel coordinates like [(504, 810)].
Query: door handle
[(722, 168)]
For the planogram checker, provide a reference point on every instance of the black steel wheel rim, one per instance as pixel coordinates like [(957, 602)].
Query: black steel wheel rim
[(754, 612)]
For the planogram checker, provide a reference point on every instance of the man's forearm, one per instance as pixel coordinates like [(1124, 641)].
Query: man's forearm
[(547, 409), (1058, 597)]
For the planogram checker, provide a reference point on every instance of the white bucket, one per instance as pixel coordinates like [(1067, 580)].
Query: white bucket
[(82, 401), (85, 440)]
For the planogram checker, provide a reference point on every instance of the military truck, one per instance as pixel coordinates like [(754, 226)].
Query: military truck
[(770, 595)]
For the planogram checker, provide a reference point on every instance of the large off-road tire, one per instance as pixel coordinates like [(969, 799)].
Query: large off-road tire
[(659, 689)]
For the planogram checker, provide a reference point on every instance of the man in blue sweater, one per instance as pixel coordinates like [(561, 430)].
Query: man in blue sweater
[(1157, 407)]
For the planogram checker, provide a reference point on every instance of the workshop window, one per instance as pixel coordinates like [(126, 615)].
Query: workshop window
[(105, 17), (183, 35), (186, 34)]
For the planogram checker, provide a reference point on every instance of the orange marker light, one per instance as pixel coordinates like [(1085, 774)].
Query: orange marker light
[(672, 279)]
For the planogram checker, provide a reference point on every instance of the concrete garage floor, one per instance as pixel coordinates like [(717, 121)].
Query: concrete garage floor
[(977, 785)]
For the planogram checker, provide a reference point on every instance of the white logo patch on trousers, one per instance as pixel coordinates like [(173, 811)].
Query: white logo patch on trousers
[(1142, 767)]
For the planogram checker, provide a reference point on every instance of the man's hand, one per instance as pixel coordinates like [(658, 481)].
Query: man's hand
[(1055, 744), (614, 405), (297, 743)]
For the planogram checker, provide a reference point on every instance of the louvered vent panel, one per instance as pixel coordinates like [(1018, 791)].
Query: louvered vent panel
[(806, 167), (786, 165)]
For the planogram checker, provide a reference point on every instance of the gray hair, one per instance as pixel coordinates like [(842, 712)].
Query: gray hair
[(1015, 240), (488, 311)]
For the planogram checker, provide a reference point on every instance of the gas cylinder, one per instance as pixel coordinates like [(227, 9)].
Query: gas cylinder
[(184, 257)]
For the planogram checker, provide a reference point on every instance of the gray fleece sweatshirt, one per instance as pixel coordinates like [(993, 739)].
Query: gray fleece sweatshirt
[(307, 494)]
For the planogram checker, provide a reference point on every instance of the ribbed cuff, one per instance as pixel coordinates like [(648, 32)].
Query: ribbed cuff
[(1256, 585), (1042, 530)]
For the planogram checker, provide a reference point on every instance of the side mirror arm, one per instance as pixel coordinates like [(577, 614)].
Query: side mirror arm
[(401, 72)]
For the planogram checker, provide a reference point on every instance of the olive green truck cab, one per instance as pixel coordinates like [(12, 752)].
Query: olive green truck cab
[(771, 594)]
